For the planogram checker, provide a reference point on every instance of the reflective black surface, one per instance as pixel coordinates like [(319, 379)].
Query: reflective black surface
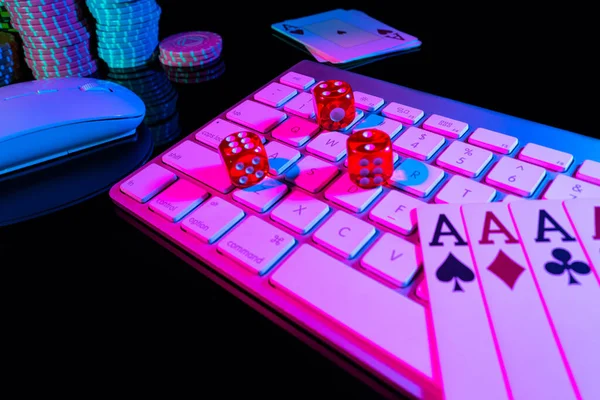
[(92, 303)]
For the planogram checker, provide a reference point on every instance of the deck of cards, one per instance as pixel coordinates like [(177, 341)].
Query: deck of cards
[(514, 298), (345, 36)]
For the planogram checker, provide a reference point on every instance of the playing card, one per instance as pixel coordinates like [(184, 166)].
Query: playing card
[(344, 36), (567, 285), (585, 218), (469, 363), (516, 312)]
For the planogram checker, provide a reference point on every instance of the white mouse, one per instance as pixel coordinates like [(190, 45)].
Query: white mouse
[(46, 119)]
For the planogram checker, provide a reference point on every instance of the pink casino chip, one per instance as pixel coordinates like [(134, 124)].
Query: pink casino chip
[(191, 46)]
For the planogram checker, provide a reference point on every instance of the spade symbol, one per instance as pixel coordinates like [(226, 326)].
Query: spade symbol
[(341, 32), (564, 257), (293, 29), (451, 269)]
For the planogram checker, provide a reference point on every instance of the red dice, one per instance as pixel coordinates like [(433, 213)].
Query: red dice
[(370, 158), (334, 104), (245, 158)]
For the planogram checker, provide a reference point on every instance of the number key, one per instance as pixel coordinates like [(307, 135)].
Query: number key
[(516, 176), (465, 159), (367, 102), (418, 143)]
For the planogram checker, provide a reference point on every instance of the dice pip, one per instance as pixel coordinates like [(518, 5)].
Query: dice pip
[(334, 104), (370, 158), (245, 158)]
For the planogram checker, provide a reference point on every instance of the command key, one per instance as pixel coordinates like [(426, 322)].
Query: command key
[(256, 244)]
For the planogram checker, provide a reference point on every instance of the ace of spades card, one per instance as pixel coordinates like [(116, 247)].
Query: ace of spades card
[(340, 36), (468, 359), (567, 282)]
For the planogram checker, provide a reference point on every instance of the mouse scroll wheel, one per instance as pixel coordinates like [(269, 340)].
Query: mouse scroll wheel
[(94, 87)]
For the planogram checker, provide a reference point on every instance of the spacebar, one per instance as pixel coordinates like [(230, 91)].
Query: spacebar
[(374, 313)]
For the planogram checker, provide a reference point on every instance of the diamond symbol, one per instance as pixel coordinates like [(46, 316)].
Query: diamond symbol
[(506, 269)]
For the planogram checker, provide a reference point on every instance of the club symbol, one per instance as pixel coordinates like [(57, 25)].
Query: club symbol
[(468, 152), (277, 240), (564, 257)]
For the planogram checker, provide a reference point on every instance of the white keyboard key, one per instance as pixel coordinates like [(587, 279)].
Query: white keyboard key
[(511, 197), (446, 126), (261, 196), (177, 200), (295, 131), (402, 113), (256, 116), (214, 133), (546, 157), (212, 219), (495, 141), (395, 158), (367, 102), (378, 317), (463, 334), (395, 211), (589, 172), (359, 114), (460, 190), (418, 143), (275, 94), (329, 145), (374, 121), (564, 187), (148, 182), (416, 177), (393, 259), (201, 164), (516, 176), (585, 219), (311, 174), (465, 159), (297, 80), (300, 212), (301, 105), (256, 244), (571, 291), (515, 309), (281, 157), (345, 193), (344, 234)]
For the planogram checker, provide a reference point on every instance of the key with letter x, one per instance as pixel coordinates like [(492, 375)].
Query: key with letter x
[(300, 212)]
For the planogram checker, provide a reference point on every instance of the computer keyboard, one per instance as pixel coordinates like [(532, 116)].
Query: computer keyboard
[(322, 253)]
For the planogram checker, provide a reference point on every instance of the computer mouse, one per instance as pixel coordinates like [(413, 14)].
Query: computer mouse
[(46, 119)]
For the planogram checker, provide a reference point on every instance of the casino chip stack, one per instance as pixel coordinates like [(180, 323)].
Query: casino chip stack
[(159, 96), (9, 59), (55, 35), (192, 57), (127, 31)]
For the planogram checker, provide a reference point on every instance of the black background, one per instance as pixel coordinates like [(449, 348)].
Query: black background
[(91, 305)]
